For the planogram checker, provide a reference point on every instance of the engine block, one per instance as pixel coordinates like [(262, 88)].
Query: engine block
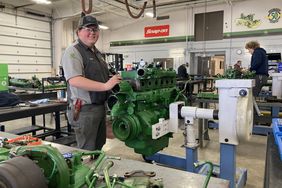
[(138, 102)]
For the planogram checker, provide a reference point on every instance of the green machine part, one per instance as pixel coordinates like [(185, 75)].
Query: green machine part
[(232, 73), (4, 77), (34, 82), (60, 171), (44, 166), (139, 101)]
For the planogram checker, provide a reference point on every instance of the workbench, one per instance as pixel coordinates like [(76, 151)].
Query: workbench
[(188, 88), (273, 165), (171, 177), (16, 112), (274, 108)]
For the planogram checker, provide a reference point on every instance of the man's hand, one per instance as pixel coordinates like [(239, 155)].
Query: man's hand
[(244, 70), (91, 85), (116, 79)]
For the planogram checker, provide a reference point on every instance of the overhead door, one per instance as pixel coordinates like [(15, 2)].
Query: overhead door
[(25, 45)]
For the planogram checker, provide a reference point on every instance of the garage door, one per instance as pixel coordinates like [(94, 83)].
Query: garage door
[(25, 45)]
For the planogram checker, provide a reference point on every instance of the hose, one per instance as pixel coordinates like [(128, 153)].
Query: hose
[(89, 7), (106, 173), (154, 9), (208, 175), (98, 162), (140, 13), (205, 185)]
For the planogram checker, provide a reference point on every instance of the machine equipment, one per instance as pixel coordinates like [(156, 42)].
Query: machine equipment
[(146, 114), (232, 73), (276, 85), (4, 77), (42, 166), (49, 83), (235, 124), (34, 82), (141, 100)]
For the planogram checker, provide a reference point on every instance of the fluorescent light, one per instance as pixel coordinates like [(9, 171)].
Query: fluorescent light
[(103, 27), (149, 14), (47, 2)]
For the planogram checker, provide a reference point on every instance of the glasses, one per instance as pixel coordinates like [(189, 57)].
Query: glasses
[(91, 30)]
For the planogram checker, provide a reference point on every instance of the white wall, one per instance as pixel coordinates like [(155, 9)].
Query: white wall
[(182, 24), (182, 19), (64, 35), (258, 7)]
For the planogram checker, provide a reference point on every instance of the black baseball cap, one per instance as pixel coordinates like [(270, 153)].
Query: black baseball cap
[(86, 21)]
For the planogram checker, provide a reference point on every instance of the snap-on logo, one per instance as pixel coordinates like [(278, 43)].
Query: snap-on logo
[(156, 31)]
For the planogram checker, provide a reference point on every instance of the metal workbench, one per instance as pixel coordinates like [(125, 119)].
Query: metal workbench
[(172, 178), (12, 113), (273, 165), (188, 87)]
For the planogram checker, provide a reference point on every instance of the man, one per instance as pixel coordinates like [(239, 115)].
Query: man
[(259, 64), (238, 65), (88, 81), (182, 71)]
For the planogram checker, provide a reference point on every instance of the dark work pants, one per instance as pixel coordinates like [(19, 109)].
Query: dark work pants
[(90, 128), (260, 82)]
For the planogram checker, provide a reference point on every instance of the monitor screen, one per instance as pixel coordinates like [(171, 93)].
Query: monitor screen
[(274, 56)]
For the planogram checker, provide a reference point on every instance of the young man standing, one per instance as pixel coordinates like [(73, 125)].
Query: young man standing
[(88, 81)]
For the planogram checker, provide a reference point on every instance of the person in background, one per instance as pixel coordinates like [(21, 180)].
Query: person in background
[(182, 71), (259, 64), (88, 84), (238, 65)]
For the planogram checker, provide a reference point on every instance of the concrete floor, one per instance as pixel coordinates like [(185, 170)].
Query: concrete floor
[(250, 155)]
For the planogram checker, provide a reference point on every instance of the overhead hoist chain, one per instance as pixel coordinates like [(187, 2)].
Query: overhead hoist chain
[(89, 10), (142, 10)]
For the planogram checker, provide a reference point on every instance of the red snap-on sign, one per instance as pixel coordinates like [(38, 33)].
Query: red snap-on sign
[(156, 31)]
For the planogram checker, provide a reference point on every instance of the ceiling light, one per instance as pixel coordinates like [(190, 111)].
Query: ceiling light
[(47, 2), (103, 27), (149, 14)]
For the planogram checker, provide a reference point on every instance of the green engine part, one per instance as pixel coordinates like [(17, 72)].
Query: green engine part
[(142, 182), (231, 73), (139, 101), (207, 95), (4, 77), (34, 82), (59, 171), (44, 166)]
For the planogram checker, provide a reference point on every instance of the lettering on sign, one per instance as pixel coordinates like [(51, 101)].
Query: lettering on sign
[(156, 31)]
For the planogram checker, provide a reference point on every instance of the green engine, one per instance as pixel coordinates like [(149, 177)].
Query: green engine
[(139, 101)]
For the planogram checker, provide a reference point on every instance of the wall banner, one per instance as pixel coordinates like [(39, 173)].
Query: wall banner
[(156, 31)]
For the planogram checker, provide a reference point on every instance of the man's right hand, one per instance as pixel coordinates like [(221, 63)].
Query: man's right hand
[(116, 79)]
